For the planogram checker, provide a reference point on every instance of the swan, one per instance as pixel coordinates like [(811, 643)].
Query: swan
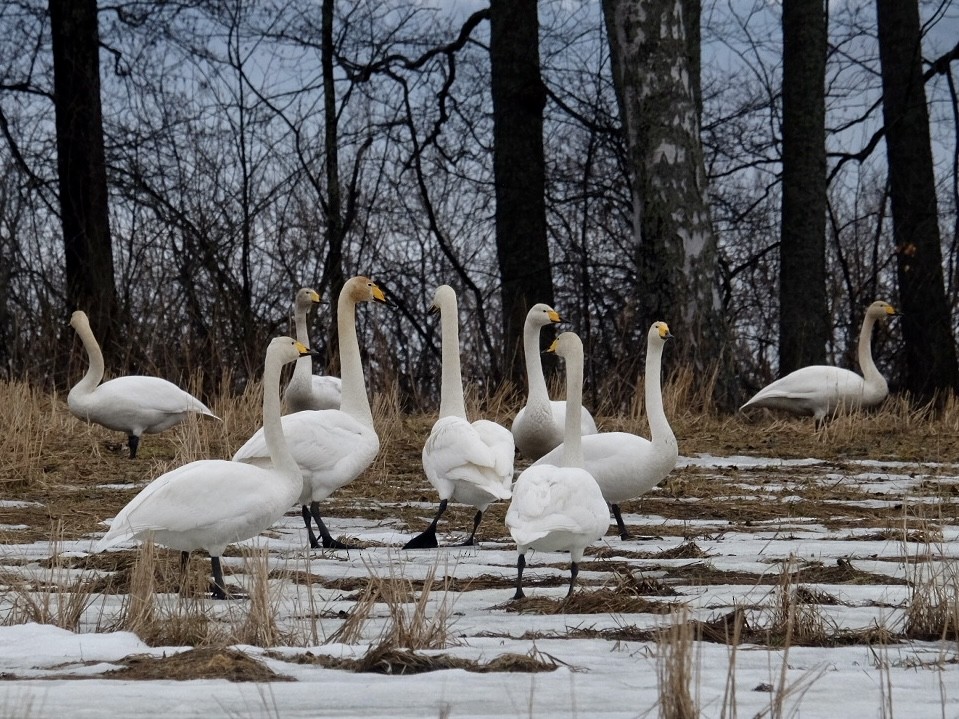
[(307, 390), (331, 446), (538, 427), (209, 503), (626, 465), (467, 462), (134, 404), (559, 506), (821, 390)]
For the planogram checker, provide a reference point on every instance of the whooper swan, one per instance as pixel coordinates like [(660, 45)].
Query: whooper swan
[(538, 426), (134, 404), (210, 503), (626, 465), (559, 507), (331, 446), (467, 462), (307, 390), (821, 390)]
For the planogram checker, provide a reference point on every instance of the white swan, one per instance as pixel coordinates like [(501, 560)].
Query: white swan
[(307, 390), (821, 390), (331, 446), (626, 465), (134, 404), (559, 507), (210, 503), (467, 462), (538, 427)]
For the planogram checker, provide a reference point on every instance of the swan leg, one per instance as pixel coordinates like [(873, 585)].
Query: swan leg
[(314, 543), (219, 588), (328, 541), (573, 573), (623, 532), (520, 566), (472, 538), (427, 540), (184, 572), (133, 442)]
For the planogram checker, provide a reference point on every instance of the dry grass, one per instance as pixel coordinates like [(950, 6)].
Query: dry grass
[(674, 668)]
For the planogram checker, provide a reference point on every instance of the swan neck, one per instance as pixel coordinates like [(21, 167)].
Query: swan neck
[(536, 382), (354, 400), (304, 365), (869, 370), (658, 424), (572, 435), (452, 400), (276, 443), (95, 357)]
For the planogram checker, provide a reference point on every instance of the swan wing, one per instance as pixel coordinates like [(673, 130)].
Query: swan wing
[(458, 451), (548, 499)]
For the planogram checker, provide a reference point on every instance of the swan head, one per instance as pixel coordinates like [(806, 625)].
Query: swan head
[(287, 349), (881, 309), (305, 298), (363, 289), (444, 297), (79, 319), (567, 345), (659, 331), (540, 315)]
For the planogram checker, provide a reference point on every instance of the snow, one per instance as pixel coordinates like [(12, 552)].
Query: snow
[(51, 672)]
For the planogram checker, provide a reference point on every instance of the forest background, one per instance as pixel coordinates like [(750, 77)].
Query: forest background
[(179, 169)]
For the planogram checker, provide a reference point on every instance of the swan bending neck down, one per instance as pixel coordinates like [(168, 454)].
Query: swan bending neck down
[(559, 507), (625, 465), (468, 462), (332, 446), (822, 390), (307, 390), (134, 404), (210, 503), (538, 426)]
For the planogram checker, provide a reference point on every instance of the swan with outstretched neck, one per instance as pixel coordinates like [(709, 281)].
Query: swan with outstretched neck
[(134, 404)]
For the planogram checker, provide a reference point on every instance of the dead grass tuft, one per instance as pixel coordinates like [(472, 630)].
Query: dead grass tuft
[(200, 663)]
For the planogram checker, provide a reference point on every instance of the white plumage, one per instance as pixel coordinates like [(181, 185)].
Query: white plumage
[(626, 465), (133, 404), (305, 389), (822, 390), (538, 426), (331, 446), (210, 503), (559, 507), (465, 462)]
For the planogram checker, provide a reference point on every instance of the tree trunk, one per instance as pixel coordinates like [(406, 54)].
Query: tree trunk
[(930, 348), (804, 325), (81, 163), (675, 248), (519, 169)]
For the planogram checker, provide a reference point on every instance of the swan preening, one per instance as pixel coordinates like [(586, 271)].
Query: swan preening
[(559, 506), (538, 427), (210, 503), (466, 462), (822, 390), (134, 404), (331, 446), (305, 389), (626, 465)]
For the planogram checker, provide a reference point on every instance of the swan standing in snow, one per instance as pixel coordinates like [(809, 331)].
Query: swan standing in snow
[(134, 404), (307, 390), (467, 462), (538, 427), (210, 503), (626, 465), (559, 507), (821, 390), (331, 446)]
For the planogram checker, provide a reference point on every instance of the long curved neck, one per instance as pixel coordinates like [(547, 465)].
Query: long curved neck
[(659, 428), (95, 371), (534, 366), (869, 370), (572, 436), (353, 400), (272, 428), (452, 401), (304, 365)]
